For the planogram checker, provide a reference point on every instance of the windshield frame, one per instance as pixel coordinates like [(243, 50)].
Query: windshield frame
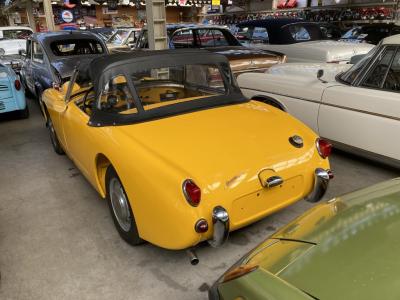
[(360, 66), (116, 33), (25, 30)]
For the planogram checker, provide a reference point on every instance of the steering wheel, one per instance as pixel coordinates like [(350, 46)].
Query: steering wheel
[(86, 105)]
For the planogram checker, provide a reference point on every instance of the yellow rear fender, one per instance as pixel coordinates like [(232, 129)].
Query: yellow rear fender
[(154, 189)]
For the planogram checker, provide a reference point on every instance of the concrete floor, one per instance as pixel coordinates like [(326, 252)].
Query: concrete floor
[(57, 239)]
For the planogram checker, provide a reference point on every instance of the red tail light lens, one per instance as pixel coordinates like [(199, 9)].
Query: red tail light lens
[(192, 192), (324, 148), (17, 84), (201, 226)]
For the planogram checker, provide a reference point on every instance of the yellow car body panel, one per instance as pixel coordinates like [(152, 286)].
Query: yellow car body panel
[(222, 149)]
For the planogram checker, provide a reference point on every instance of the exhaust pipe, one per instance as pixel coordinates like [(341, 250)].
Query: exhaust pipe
[(194, 260)]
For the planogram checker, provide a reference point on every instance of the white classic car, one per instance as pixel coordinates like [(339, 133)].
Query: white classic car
[(356, 107), (300, 41), (13, 38)]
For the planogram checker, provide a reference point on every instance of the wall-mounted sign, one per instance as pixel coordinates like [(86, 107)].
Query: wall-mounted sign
[(182, 2), (215, 2), (67, 16)]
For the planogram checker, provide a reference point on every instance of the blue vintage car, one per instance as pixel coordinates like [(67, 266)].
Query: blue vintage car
[(12, 96)]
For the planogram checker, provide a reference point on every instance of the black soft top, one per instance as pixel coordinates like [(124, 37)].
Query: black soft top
[(102, 69)]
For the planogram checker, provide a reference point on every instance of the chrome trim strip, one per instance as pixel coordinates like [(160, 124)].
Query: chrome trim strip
[(283, 95)]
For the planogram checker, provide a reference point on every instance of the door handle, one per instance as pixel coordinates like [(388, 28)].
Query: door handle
[(273, 181)]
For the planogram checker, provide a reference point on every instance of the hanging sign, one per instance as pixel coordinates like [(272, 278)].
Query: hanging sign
[(215, 2), (67, 16), (68, 4)]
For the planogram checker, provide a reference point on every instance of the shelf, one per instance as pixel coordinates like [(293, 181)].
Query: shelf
[(326, 7)]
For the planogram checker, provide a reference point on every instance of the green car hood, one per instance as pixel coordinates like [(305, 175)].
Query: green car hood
[(346, 248)]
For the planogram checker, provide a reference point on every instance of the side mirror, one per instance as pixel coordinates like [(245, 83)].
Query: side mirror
[(22, 52), (2, 52), (320, 74)]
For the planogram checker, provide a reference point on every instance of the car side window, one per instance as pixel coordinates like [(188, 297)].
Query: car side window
[(132, 38), (299, 33), (211, 38), (183, 39), (116, 96), (143, 40), (376, 77), (37, 53), (392, 81)]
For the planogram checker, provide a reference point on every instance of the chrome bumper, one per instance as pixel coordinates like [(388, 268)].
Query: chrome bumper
[(321, 182), (220, 220)]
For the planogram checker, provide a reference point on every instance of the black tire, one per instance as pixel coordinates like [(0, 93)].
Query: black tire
[(24, 114), (130, 233), (53, 137)]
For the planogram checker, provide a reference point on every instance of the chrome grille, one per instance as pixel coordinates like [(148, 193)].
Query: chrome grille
[(2, 105), (3, 87)]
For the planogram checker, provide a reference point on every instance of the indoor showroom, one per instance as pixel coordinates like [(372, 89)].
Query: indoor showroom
[(200, 149)]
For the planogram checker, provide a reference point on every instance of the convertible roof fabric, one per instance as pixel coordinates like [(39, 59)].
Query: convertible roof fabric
[(103, 69)]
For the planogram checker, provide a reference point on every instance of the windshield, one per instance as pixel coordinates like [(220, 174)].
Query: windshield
[(76, 47), (350, 75), (119, 37), (15, 34), (355, 33)]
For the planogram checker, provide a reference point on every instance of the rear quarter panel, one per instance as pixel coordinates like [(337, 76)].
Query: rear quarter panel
[(299, 96)]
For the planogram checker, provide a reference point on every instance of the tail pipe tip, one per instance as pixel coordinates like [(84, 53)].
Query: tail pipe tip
[(194, 260)]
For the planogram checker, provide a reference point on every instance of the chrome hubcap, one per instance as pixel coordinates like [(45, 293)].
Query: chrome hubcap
[(119, 204)]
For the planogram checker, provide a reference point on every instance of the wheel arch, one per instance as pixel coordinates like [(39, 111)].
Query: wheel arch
[(270, 101), (102, 162)]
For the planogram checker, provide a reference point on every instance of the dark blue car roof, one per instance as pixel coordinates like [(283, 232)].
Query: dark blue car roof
[(278, 32), (271, 22)]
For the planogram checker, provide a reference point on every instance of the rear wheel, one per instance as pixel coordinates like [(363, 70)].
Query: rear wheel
[(53, 137), (120, 208)]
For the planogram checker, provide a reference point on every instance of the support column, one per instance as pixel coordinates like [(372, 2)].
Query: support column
[(156, 24), (48, 12), (29, 14)]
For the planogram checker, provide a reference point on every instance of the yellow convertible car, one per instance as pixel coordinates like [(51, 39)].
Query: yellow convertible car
[(178, 152)]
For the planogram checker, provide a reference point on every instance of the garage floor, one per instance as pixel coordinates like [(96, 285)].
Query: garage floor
[(57, 239)]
